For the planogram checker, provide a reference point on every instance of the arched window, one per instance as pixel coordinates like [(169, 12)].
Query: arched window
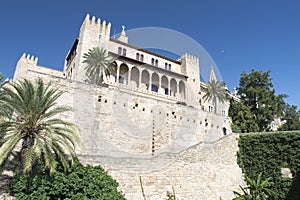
[(142, 57), (124, 52), (119, 50), (166, 66), (170, 67), (137, 56), (152, 61), (156, 62)]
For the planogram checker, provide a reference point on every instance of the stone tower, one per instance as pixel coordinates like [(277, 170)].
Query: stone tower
[(92, 33)]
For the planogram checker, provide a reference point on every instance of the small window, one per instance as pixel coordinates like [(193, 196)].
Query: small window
[(124, 52), (137, 56), (119, 50), (142, 57), (156, 62), (152, 61), (166, 66), (170, 67)]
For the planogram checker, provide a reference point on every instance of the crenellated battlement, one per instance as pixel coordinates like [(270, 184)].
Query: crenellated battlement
[(103, 26), (30, 58), (190, 57)]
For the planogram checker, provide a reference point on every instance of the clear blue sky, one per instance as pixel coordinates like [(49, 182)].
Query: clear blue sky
[(257, 34)]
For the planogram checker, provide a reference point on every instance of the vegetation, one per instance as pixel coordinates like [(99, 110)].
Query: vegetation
[(99, 65), (242, 117), (269, 153), (256, 189), (30, 118), (78, 183), (171, 195), (215, 91), (291, 116), (258, 104)]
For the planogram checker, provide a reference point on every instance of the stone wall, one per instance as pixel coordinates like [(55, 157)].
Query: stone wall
[(165, 143)]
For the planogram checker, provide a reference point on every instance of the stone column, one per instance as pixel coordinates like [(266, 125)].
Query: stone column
[(177, 92), (159, 81), (150, 81), (118, 73), (140, 77), (169, 86), (129, 75)]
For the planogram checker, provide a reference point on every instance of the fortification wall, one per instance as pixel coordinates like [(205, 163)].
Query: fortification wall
[(165, 143)]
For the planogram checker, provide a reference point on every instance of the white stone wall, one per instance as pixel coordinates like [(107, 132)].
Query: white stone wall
[(165, 143)]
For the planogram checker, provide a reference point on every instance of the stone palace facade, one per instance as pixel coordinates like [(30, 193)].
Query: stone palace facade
[(148, 120)]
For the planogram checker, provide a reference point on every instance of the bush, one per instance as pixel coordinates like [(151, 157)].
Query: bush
[(268, 153), (80, 182)]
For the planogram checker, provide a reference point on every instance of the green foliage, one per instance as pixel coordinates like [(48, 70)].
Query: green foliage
[(292, 118), (242, 117), (78, 183), (268, 153), (256, 189), (257, 93), (171, 195), (215, 91), (99, 65), (30, 117), (142, 188)]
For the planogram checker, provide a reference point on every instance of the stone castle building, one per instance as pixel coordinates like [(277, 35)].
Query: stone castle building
[(148, 120)]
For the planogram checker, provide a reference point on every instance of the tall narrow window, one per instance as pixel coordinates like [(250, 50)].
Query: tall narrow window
[(137, 56), (152, 61), (166, 66), (119, 50), (156, 62), (124, 52), (170, 67), (142, 57)]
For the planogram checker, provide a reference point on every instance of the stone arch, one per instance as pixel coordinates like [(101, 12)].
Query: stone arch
[(173, 87), (182, 89), (145, 80), (123, 75), (135, 75), (155, 82), (165, 84)]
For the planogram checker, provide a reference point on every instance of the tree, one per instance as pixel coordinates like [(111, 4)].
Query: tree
[(242, 117), (215, 91), (256, 91), (292, 118), (256, 189), (78, 183), (31, 119), (99, 64)]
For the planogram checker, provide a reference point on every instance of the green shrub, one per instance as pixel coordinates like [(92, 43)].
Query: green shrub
[(268, 153), (80, 182)]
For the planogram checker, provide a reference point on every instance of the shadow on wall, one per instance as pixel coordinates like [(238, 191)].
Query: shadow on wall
[(294, 193)]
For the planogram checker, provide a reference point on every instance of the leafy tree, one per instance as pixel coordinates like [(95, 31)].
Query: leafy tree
[(256, 189), (78, 183), (256, 92), (30, 118), (215, 91), (292, 117), (99, 64), (242, 117)]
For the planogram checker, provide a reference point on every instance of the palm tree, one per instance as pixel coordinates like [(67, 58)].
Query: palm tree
[(1, 80), (215, 91), (99, 64), (256, 190), (31, 126)]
